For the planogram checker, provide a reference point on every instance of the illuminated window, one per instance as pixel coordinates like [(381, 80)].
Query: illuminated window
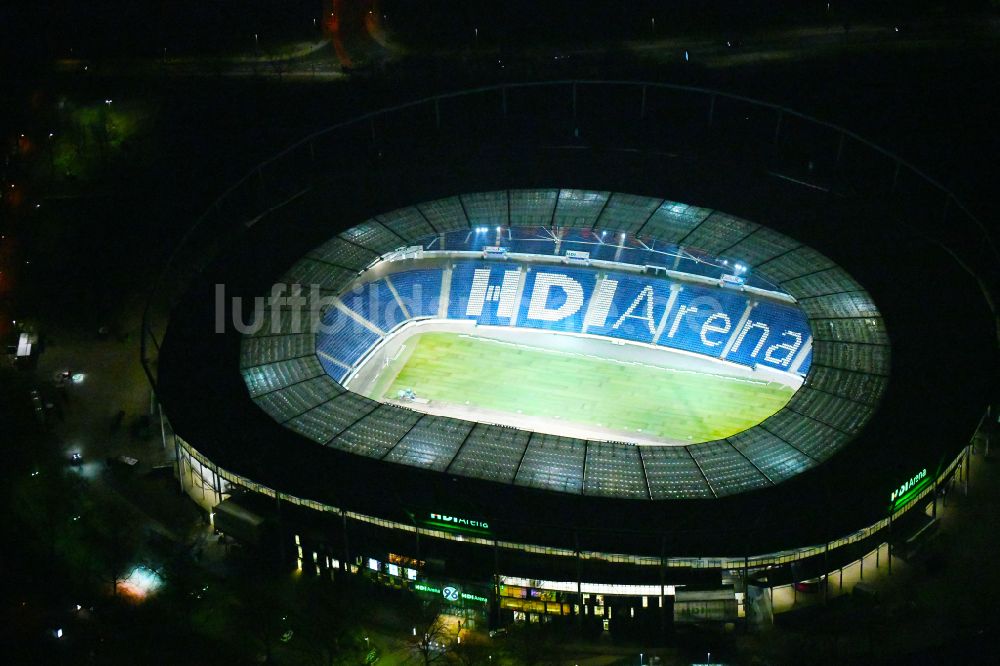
[(373, 564)]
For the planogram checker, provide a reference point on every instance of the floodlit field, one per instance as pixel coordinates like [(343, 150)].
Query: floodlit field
[(649, 402)]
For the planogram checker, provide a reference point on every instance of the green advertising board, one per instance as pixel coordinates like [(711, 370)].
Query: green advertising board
[(907, 491), (457, 523)]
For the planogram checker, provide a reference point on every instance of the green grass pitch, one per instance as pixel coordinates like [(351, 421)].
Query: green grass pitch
[(651, 402)]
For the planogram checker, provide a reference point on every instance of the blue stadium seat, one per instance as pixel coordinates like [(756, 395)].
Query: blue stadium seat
[(702, 320), (420, 290), (484, 291), (375, 302), (633, 312), (342, 339), (775, 334), (699, 319), (556, 298)]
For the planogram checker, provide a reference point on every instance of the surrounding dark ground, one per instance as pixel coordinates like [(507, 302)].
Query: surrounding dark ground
[(97, 239), (932, 103)]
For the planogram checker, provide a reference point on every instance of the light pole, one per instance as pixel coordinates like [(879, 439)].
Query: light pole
[(256, 43), (652, 23)]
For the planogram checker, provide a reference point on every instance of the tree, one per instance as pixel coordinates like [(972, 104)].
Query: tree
[(329, 619), (531, 643), (113, 534), (262, 610), (431, 638)]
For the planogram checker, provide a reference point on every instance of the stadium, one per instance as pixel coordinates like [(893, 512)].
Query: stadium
[(629, 352)]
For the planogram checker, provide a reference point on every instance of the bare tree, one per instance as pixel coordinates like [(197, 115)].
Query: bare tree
[(113, 534), (431, 640)]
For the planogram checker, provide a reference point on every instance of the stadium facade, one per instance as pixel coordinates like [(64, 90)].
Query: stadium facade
[(518, 180)]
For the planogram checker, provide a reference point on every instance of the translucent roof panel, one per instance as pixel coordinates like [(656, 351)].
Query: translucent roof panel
[(627, 212), (673, 221), (813, 438), (445, 214), (869, 330), (278, 319), (266, 378), (841, 413), (268, 349), (287, 403), (491, 452), (553, 463), (672, 473), (531, 208), (857, 386), (728, 471), (774, 457), (378, 432), (486, 208), (431, 443), (872, 359), (408, 223), (853, 304), (311, 271), (374, 237), (579, 208), (833, 335), (614, 470), (833, 280), (339, 252), (330, 418), (762, 245), (799, 261), (718, 232)]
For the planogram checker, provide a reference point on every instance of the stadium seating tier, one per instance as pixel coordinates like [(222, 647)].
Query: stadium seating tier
[(835, 338)]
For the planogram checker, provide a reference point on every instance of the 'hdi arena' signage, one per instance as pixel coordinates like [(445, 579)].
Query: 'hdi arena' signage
[(905, 491), (457, 522), (722, 324)]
